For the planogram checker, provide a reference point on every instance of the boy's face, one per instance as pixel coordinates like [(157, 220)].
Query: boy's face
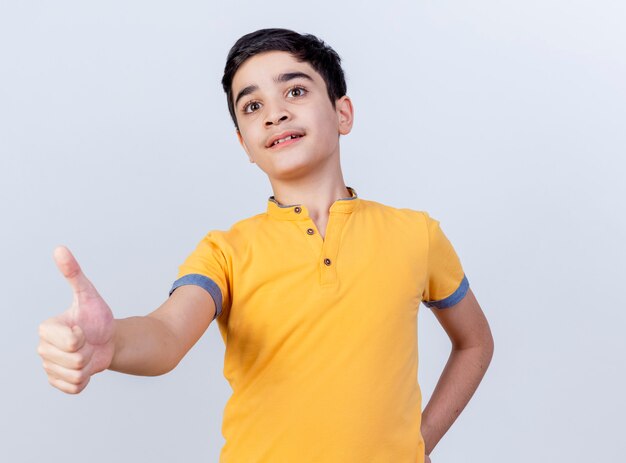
[(277, 96)]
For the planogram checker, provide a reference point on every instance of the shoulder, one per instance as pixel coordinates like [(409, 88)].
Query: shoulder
[(246, 227), (238, 233), (407, 215)]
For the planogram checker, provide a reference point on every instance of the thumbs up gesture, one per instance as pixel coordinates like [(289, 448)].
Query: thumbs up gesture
[(79, 342)]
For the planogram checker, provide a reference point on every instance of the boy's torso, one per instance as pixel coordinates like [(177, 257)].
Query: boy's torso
[(321, 335)]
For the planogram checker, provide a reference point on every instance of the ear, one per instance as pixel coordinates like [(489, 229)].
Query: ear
[(244, 146), (345, 114)]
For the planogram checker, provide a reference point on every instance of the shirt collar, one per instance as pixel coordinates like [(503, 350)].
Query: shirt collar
[(300, 212)]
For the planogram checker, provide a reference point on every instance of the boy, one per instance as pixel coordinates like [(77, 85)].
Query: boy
[(316, 298)]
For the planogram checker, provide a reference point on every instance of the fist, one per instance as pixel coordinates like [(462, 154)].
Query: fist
[(78, 343)]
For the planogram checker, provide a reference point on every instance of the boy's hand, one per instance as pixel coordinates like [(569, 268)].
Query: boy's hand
[(427, 459), (79, 342)]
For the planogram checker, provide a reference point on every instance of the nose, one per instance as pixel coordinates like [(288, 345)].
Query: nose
[(276, 115), (275, 121)]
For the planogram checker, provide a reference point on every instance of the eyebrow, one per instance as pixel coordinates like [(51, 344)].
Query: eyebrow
[(286, 77)]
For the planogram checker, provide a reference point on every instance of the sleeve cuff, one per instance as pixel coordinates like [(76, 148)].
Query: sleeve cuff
[(204, 282), (453, 298)]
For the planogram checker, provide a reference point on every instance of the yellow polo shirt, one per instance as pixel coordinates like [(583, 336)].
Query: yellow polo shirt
[(321, 334)]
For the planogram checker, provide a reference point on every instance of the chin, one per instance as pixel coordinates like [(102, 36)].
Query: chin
[(291, 171)]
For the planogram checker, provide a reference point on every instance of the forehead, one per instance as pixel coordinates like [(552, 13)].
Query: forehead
[(261, 69)]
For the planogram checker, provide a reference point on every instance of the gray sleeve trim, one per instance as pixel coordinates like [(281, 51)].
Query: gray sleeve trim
[(453, 298), (204, 282)]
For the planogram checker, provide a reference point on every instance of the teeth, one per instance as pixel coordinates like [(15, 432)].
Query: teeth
[(284, 139)]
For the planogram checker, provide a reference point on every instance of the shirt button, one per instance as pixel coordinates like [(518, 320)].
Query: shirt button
[(310, 231), (297, 209), (327, 261)]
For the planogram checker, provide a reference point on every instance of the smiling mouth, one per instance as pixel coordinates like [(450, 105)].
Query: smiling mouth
[(289, 140)]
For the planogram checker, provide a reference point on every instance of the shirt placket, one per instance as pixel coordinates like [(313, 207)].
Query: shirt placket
[(326, 250)]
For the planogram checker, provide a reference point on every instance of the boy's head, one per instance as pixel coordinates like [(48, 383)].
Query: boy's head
[(303, 47)]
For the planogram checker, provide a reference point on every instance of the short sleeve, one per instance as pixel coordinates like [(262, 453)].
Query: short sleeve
[(446, 283), (207, 267)]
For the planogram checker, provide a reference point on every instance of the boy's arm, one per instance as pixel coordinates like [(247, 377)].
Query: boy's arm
[(472, 350), (154, 344), (86, 339)]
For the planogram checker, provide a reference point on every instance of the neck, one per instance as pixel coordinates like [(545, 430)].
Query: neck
[(317, 191)]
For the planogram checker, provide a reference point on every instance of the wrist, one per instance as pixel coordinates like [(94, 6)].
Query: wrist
[(116, 344), (427, 436)]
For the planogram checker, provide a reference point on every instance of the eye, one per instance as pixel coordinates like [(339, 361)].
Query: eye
[(297, 91), (251, 107)]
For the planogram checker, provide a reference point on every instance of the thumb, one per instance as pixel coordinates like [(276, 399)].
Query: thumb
[(70, 269), (79, 337)]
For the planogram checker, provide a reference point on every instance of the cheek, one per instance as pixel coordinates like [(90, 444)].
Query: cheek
[(249, 137), (330, 129), (329, 121)]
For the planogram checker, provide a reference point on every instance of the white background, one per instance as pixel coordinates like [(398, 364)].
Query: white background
[(504, 120)]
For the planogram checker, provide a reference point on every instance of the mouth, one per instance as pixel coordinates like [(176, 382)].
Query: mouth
[(284, 139)]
